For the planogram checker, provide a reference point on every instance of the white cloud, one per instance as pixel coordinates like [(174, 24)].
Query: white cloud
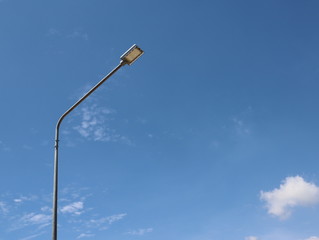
[(46, 209), (115, 218), (23, 215), (32, 236), (313, 238), (241, 128), (71, 194), (101, 222), (141, 232), (17, 221), (79, 34), (251, 238), (3, 208), (94, 125), (25, 198), (74, 208), (35, 215), (33, 218), (293, 192), (85, 235)]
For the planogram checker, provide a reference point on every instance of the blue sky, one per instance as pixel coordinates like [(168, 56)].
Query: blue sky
[(211, 134)]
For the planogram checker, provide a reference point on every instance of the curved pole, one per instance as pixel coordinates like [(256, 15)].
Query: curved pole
[(56, 150)]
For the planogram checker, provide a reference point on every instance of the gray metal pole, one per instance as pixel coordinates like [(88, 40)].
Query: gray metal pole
[(56, 151)]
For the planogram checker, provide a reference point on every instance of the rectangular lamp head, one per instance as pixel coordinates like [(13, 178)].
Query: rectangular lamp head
[(132, 54)]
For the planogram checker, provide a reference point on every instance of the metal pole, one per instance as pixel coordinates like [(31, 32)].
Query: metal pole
[(56, 150)]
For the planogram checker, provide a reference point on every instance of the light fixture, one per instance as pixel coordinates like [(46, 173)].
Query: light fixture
[(132, 54)]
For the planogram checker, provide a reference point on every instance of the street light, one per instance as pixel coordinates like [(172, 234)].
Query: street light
[(130, 56)]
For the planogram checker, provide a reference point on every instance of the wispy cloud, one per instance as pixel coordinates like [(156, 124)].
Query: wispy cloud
[(22, 199), (293, 192), (251, 238), (16, 214), (22, 213), (85, 235), (32, 236), (115, 218), (313, 238), (3, 208), (94, 125), (102, 223), (46, 209), (73, 34), (79, 34), (73, 208), (241, 128), (74, 194), (30, 219), (141, 232), (35, 218)]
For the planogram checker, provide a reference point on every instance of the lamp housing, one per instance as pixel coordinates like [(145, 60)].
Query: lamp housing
[(132, 54)]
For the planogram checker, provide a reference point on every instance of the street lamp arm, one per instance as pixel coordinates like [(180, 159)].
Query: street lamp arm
[(122, 63), (56, 147)]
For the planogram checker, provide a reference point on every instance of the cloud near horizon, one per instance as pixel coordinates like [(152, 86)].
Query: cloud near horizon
[(293, 192), (313, 238), (251, 238)]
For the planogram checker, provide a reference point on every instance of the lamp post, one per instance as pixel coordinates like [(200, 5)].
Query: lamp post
[(130, 56)]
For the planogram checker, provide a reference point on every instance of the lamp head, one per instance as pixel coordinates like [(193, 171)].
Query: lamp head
[(132, 54)]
